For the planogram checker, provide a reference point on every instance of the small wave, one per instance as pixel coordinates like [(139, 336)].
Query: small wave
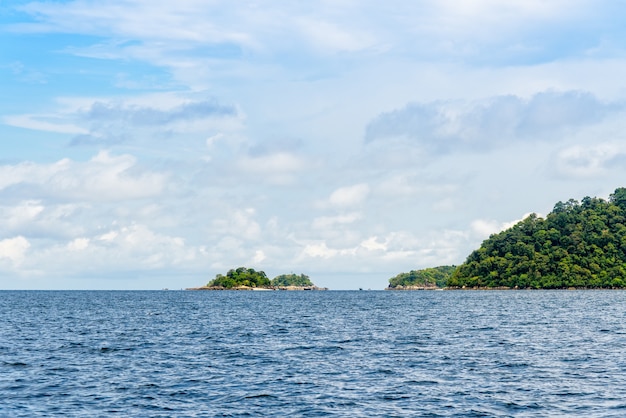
[(14, 364), (260, 395)]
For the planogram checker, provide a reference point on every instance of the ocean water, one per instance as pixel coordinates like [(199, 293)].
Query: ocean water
[(312, 354)]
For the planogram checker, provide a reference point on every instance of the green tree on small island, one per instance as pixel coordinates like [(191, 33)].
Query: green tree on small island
[(241, 276), (580, 245), (301, 280), (433, 277)]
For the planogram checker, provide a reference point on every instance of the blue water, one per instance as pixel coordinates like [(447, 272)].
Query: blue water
[(351, 354)]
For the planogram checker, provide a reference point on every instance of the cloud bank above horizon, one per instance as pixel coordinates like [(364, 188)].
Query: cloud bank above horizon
[(150, 146)]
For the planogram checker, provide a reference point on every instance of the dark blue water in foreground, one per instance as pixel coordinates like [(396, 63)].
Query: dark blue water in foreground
[(178, 353)]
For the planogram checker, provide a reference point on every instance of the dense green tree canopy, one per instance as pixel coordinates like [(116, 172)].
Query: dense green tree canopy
[(241, 276), (579, 244), (292, 280), (429, 277)]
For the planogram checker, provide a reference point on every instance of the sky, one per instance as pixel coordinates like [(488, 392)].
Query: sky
[(155, 144)]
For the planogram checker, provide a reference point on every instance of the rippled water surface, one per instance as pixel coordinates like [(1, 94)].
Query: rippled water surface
[(182, 353)]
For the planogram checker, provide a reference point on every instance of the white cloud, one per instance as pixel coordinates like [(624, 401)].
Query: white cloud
[(34, 218), (24, 212), (239, 223), (78, 244), (210, 141), (372, 244), (449, 127), (395, 250), (39, 123), (483, 228), (321, 250), (14, 249), (103, 178), (593, 161), (329, 37), (259, 256), (133, 247), (326, 222), (277, 168), (349, 195)]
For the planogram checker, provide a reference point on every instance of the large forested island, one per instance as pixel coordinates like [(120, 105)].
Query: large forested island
[(243, 278), (578, 245)]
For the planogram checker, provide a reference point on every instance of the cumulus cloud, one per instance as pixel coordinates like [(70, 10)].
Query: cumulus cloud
[(78, 244), (277, 168), (23, 213), (136, 119), (581, 161), (103, 178), (14, 249), (131, 247), (321, 250), (34, 218), (239, 223), (133, 119), (349, 195), (483, 228), (325, 222), (399, 248), (448, 127), (372, 244)]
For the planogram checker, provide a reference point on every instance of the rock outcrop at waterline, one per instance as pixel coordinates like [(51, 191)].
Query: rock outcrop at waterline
[(400, 287)]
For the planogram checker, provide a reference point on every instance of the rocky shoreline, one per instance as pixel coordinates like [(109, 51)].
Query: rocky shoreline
[(400, 288)]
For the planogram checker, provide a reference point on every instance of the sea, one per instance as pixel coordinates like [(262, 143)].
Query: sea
[(313, 353)]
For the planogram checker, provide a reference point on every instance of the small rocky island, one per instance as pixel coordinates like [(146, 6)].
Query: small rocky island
[(243, 278)]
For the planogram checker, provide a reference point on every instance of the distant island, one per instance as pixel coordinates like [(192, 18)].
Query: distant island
[(243, 278), (425, 279)]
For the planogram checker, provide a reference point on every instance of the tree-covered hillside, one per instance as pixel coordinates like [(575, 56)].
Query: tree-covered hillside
[(300, 280), (429, 277), (241, 276), (579, 244)]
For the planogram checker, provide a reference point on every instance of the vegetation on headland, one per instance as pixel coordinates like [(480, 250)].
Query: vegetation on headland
[(301, 280), (239, 277), (578, 244), (248, 278), (429, 278)]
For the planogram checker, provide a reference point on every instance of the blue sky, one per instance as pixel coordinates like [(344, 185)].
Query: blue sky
[(155, 144)]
